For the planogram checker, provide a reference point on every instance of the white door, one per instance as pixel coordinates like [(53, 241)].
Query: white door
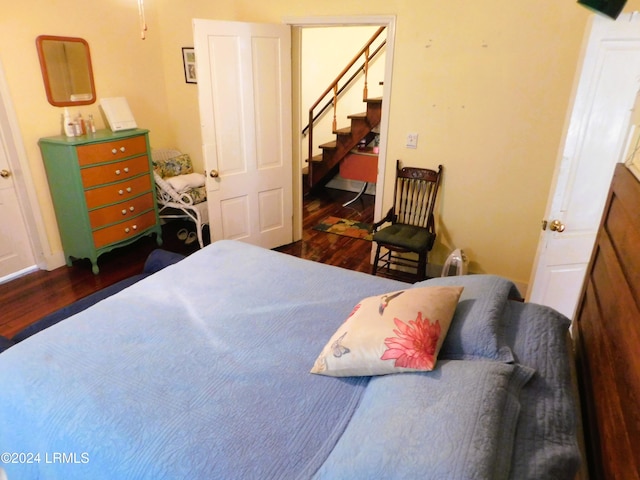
[(244, 88), (594, 143), (16, 254)]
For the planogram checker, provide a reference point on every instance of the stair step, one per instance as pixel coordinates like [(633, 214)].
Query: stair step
[(343, 131), (321, 166), (329, 145)]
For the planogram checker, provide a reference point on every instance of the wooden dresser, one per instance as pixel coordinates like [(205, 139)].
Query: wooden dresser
[(102, 191)]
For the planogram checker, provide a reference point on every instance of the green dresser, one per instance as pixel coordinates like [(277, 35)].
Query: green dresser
[(103, 191)]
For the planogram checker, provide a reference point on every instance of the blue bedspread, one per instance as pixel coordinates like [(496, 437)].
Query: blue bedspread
[(201, 371), (546, 446), (456, 423)]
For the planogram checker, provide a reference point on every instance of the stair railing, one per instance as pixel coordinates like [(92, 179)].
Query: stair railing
[(334, 86)]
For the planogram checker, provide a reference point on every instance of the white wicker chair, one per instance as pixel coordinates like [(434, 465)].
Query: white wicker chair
[(173, 204)]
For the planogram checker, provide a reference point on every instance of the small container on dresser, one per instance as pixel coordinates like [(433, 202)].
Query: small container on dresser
[(102, 189)]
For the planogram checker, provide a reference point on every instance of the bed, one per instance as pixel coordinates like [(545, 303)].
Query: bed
[(203, 371)]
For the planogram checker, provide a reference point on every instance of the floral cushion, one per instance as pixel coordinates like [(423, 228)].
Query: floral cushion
[(171, 167), (198, 194), (395, 332)]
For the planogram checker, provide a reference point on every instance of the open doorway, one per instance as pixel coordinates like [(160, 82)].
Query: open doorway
[(300, 119), (342, 68)]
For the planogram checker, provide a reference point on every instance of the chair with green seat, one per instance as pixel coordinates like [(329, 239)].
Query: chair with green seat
[(412, 228)]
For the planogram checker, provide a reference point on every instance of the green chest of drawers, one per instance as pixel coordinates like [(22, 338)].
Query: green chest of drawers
[(102, 190)]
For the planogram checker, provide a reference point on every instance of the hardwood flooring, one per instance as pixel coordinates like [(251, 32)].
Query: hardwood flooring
[(29, 298), (346, 252)]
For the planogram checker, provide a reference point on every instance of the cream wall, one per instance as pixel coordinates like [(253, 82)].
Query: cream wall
[(486, 85), (123, 64)]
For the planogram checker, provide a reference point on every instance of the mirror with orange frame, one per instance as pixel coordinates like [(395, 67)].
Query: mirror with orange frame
[(66, 70)]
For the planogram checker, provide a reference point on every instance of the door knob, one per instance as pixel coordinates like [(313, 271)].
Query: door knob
[(214, 174), (556, 226), (5, 173)]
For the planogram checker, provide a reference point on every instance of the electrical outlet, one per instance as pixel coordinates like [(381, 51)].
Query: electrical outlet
[(412, 140)]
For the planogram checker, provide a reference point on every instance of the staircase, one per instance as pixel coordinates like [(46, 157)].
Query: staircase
[(323, 166)]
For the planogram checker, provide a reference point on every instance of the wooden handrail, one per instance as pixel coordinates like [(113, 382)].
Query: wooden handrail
[(334, 86), (343, 87)]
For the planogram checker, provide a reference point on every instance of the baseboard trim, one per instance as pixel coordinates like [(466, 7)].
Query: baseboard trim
[(19, 273)]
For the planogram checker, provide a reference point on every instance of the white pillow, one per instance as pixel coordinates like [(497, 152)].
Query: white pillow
[(398, 331), (182, 183)]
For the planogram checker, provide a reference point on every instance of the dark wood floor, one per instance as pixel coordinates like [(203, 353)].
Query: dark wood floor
[(346, 252), (31, 297)]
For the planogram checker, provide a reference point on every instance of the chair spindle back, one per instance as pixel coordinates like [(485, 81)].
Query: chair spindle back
[(415, 194)]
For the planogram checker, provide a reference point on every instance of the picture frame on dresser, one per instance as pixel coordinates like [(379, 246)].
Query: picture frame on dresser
[(103, 191)]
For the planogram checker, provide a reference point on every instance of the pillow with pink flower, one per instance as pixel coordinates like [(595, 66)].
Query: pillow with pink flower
[(399, 331)]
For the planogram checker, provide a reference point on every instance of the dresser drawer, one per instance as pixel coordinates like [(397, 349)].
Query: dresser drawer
[(115, 213), (114, 172), (124, 230), (108, 151), (117, 192)]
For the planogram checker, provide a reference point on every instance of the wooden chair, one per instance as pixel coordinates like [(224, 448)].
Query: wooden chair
[(412, 228)]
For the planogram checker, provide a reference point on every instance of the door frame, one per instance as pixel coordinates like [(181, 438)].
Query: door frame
[(25, 189), (298, 23)]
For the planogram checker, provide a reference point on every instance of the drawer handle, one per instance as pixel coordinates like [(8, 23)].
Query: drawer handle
[(118, 172), (114, 151), (120, 192), (135, 227), (128, 189), (127, 230), (126, 169), (124, 211), (122, 149), (132, 208)]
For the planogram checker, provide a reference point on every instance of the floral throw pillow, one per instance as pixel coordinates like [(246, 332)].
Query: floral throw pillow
[(171, 167), (398, 331)]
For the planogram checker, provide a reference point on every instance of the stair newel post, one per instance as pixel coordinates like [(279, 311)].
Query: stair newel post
[(365, 93), (335, 106)]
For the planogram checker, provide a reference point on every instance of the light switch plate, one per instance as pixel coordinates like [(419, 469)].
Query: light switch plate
[(412, 140)]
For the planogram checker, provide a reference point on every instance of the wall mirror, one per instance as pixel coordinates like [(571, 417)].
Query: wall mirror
[(66, 70)]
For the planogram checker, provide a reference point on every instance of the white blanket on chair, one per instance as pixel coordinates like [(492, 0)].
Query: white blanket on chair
[(182, 183)]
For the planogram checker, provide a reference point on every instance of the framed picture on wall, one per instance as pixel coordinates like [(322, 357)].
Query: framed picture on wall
[(189, 61)]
